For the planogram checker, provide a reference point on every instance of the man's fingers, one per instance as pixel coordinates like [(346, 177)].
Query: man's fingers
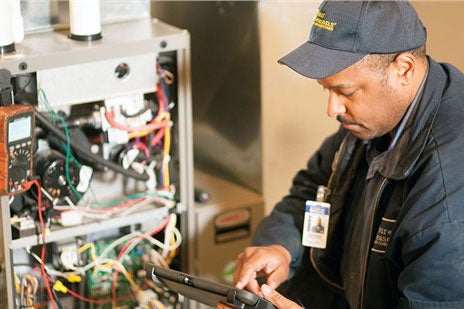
[(248, 267), (277, 299), (253, 287), (238, 267), (271, 260)]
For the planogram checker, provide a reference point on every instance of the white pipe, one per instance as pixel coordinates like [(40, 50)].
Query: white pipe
[(6, 37), (84, 17), (17, 22)]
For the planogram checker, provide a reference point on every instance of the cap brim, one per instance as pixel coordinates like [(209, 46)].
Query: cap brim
[(318, 62)]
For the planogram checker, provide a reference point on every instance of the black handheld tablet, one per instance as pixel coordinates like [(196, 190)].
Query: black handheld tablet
[(205, 291)]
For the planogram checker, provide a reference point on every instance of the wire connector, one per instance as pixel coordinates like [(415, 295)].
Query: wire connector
[(60, 287)]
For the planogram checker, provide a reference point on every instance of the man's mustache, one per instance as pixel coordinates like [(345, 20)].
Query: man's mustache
[(344, 121)]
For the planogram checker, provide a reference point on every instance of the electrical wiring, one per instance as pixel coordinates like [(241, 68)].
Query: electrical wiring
[(43, 99), (101, 262), (16, 283), (28, 290), (28, 185), (168, 76), (166, 157), (168, 233), (157, 138), (152, 240), (151, 126), (162, 99), (105, 213), (172, 253), (151, 233), (167, 247), (128, 246), (85, 152), (123, 209), (95, 301), (113, 245)]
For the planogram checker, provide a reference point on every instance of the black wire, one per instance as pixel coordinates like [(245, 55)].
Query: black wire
[(48, 125), (57, 300)]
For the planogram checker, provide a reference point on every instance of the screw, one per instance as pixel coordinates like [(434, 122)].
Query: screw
[(22, 66)]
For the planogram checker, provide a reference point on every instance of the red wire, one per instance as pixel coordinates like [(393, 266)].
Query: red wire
[(151, 233), (124, 248), (93, 301), (28, 185), (101, 301), (158, 136)]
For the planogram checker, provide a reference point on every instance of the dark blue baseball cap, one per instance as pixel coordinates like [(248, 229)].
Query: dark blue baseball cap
[(343, 32)]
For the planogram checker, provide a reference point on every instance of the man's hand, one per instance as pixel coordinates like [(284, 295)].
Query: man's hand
[(273, 261), (278, 299)]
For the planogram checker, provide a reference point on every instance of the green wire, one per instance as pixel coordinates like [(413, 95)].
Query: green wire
[(43, 99)]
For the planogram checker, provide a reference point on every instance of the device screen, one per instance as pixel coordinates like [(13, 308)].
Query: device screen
[(19, 128)]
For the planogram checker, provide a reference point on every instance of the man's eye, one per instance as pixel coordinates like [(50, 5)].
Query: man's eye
[(348, 95)]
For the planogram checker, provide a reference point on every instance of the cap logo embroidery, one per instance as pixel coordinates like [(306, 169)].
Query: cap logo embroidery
[(322, 23)]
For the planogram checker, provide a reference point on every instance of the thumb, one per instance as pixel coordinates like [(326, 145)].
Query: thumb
[(277, 299)]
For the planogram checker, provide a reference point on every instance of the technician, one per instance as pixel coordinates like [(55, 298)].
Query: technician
[(394, 173)]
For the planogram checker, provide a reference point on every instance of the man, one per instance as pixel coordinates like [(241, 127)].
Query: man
[(393, 172)]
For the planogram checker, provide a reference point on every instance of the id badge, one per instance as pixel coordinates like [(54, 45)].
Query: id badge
[(316, 224)]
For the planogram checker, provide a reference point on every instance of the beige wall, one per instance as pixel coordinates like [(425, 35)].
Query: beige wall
[(294, 119), (443, 20)]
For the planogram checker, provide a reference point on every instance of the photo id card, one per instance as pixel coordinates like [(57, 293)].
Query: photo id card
[(316, 223)]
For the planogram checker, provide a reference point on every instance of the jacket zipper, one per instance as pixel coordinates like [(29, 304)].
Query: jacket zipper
[(335, 164), (382, 186)]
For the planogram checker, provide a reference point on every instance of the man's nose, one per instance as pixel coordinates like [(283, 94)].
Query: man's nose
[(335, 105)]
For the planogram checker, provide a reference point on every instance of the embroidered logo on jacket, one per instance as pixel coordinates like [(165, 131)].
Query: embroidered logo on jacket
[(383, 237)]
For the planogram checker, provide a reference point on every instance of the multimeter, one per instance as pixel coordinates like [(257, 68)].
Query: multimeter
[(17, 124)]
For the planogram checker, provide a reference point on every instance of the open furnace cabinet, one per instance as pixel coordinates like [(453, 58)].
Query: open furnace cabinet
[(111, 182)]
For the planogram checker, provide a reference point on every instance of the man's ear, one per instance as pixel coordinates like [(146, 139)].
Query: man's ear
[(404, 65)]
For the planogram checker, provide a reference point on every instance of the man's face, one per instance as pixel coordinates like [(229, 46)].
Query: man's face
[(368, 103)]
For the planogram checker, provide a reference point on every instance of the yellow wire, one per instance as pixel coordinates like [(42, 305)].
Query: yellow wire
[(87, 246), (16, 282), (138, 134), (172, 253)]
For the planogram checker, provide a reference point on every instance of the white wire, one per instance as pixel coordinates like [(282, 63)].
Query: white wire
[(117, 242), (156, 242), (98, 214)]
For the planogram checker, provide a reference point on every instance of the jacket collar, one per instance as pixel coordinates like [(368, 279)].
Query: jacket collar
[(398, 162)]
